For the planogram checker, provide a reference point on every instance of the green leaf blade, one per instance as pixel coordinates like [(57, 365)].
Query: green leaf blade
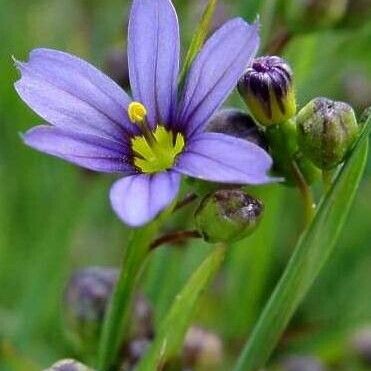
[(311, 253), (198, 38), (173, 328)]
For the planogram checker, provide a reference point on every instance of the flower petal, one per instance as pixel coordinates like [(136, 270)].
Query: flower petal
[(86, 150), (139, 198), (225, 159), (215, 72), (153, 53), (70, 93)]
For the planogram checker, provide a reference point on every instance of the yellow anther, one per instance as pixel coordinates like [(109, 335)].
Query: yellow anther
[(137, 112)]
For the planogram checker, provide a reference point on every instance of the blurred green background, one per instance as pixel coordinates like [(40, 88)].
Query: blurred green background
[(56, 218)]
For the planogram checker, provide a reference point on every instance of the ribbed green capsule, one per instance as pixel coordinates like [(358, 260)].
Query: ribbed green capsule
[(267, 89), (326, 131), (228, 215)]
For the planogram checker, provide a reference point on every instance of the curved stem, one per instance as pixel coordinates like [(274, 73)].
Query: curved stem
[(306, 193), (175, 237), (116, 318), (327, 179), (189, 198)]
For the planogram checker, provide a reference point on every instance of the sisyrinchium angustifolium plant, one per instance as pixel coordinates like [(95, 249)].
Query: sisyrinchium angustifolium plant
[(171, 127)]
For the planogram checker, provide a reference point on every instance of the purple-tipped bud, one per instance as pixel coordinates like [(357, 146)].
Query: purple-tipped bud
[(267, 89), (86, 298), (326, 131), (238, 124), (68, 365), (228, 215), (202, 350), (89, 291)]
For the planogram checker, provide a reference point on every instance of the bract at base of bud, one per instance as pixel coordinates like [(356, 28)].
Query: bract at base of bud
[(228, 215)]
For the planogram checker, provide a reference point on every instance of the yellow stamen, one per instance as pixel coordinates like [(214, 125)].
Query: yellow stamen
[(137, 112)]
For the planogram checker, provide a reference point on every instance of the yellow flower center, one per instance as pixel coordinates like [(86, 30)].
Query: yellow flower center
[(154, 150)]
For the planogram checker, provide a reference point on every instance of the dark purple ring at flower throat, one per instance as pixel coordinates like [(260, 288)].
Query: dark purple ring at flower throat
[(267, 74)]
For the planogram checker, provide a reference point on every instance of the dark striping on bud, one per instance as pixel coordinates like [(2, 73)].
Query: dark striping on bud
[(238, 124), (228, 215), (326, 131), (267, 89)]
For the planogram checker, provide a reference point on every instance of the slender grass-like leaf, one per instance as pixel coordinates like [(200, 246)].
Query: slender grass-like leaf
[(311, 253), (117, 314), (198, 38), (173, 328)]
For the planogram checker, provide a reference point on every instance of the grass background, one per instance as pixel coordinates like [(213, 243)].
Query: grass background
[(55, 218)]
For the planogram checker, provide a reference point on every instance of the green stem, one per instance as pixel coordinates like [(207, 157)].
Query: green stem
[(117, 314), (116, 317), (327, 179), (311, 253), (306, 193)]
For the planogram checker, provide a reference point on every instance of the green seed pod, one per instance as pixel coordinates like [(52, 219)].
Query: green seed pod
[(68, 365), (326, 131), (311, 15), (267, 89), (228, 215)]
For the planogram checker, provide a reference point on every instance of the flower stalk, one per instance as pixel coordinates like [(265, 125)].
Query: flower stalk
[(311, 253), (306, 193), (117, 315)]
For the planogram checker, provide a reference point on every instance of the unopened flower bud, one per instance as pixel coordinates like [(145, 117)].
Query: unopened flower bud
[(312, 15), (228, 215), (267, 89), (86, 298), (202, 349), (238, 124), (68, 365), (326, 131)]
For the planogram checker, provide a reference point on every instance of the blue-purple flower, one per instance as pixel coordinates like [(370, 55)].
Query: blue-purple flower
[(154, 138)]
